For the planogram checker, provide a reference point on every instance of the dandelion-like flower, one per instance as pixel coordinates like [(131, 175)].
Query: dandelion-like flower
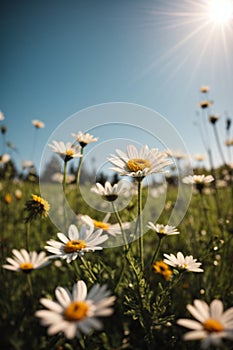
[(66, 151), (37, 207), (141, 163), (211, 325), (38, 124), (108, 192), (183, 262), (76, 243), (84, 139), (77, 312), (163, 230), (26, 261), (161, 268), (111, 229)]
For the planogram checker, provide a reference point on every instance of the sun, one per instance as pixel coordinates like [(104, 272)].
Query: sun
[(220, 11)]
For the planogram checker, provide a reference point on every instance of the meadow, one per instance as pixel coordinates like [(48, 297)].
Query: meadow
[(138, 296)]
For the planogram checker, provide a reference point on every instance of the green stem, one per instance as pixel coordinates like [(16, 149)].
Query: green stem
[(64, 176), (30, 285), (121, 226), (156, 251), (79, 168), (140, 222), (92, 276), (28, 234)]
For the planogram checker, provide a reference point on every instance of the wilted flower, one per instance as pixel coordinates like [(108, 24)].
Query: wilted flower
[(199, 157), (108, 192), (37, 206), (111, 229), (205, 104), (183, 262), (212, 323), (84, 139), (228, 123), (163, 230), (3, 129), (38, 124), (66, 151), (204, 89), (76, 243), (161, 268), (141, 163), (213, 118), (75, 313), (26, 261)]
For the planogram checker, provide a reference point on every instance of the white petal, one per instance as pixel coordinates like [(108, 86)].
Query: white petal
[(63, 296), (80, 291)]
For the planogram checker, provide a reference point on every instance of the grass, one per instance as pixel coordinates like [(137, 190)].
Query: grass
[(147, 306)]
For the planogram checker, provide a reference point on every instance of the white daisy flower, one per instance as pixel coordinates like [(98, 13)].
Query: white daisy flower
[(2, 117), (26, 261), (75, 313), (212, 323), (76, 243), (197, 179), (184, 263), (163, 230), (38, 124), (111, 229), (139, 163), (66, 151), (84, 139), (5, 158), (110, 193)]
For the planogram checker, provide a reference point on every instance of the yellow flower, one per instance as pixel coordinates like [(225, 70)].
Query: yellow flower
[(8, 198), (37, 207), (161, 268)]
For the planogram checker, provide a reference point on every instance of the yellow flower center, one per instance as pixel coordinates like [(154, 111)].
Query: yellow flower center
[(161, 230), (74, 246), (43, 205), (138, 164), (212, 325), (70, 152), (26, 266), (100, 224), (76, 311)]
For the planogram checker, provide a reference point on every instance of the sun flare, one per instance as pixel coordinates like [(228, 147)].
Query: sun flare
[(220, 11)]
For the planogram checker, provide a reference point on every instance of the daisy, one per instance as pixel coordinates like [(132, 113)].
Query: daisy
[(66, 151), (108, 192), (2, 117), (141, 163), (37, 206), (212, 323), (84, 139), (4, 158), (75, 313), (26, 261), (38, 124), (162, 230), (197, 179), (184, 263), (111, 229), (76, 243)]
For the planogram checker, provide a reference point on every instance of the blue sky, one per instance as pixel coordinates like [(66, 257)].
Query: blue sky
[(59, 57)]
